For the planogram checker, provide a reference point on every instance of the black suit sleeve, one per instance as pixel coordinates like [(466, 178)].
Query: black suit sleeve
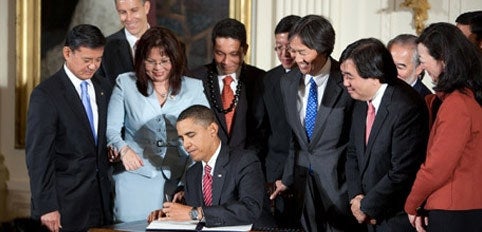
[(245, 208), (407, 153), (40, 140)]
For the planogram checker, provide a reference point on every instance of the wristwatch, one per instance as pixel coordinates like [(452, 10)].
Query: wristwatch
[(193, 213)]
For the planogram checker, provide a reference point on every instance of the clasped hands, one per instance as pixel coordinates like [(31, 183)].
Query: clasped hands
[(420, 222), (360, 216)]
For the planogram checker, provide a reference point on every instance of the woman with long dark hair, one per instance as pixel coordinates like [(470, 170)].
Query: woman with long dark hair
[(447, 184)]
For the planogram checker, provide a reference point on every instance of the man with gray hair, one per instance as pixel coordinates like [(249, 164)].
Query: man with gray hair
[(404, 53)]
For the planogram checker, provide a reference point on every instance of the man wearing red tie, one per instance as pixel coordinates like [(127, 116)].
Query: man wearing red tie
[(225, 186), (388, 136), (234, 88)]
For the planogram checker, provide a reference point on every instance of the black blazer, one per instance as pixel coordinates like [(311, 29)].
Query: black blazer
[(117, 58), (384, 171), (62, 159), (421, 88), (238, 188), (279, 132), (248, 128)]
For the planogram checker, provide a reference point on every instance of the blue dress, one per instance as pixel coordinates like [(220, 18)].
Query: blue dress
[(149, 130)]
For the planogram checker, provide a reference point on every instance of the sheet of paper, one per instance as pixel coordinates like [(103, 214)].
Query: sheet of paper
[(172, 225), (229, 228)]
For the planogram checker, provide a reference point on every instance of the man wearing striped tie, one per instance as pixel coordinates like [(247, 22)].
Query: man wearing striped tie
[(225, 186)]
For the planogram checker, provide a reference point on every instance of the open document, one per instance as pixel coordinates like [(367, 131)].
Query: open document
[(192, 226)]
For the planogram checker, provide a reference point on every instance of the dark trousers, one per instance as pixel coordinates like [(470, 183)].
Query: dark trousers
[(397, 223), (317, 214), (455, 220)]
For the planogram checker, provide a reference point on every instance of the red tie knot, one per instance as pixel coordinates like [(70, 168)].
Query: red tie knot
[(227, 80)]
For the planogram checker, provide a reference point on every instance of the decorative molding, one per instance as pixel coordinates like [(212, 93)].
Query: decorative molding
[(241, 10), (28, 62), (420, 12)]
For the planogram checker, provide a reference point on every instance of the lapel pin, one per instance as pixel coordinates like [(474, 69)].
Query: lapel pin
[(220, 175)]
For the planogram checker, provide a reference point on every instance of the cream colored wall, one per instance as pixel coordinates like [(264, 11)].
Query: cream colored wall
[(352, 20)]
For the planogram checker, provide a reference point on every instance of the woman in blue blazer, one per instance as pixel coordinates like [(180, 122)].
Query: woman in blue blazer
[(141, 121)]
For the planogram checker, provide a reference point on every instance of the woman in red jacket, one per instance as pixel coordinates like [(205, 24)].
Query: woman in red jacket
[(448, 182)]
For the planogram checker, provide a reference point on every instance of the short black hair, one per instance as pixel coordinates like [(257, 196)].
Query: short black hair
[(286, 23), (229, 28), (315, 32), (199, 113), (372, 60), (84, 35), (466, 17), (476, 27)]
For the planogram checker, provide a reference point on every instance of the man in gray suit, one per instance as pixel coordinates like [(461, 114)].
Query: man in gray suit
[(318, 110)]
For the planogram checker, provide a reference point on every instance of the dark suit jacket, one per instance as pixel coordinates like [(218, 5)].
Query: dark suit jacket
[(62, 159), (421, 88), (279, 133), (117, 58), (248, 124), (325, 154), (238, 188), (384, 171)]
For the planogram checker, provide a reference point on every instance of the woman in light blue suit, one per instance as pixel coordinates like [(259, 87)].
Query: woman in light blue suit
[(141, 121)]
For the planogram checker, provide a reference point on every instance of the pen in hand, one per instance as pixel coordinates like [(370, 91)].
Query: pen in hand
[(167, 197)]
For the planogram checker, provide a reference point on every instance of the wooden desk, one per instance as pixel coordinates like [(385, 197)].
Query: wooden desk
[(140, 226), (137, 226)]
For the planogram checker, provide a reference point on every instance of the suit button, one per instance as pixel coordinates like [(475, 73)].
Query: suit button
[(160, 143)]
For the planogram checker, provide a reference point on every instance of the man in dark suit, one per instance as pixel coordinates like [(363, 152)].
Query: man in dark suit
[(404, 53), (240, 118), (279, 132), (119, 49), (237, 187), (388, 136), (65, 143), (318, 111)]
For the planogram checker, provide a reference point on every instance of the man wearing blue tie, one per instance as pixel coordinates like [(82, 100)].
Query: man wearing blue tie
[(65, 143), (318, 111)]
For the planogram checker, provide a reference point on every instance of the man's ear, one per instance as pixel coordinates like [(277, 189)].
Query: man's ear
[(67, 52), (245, 49), (419, 70), (213, 129), (147, 6)]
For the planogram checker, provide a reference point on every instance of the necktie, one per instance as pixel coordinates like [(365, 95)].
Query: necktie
[(207, 186), (227, 98), (370, 119), (311, 109), (84, 94)]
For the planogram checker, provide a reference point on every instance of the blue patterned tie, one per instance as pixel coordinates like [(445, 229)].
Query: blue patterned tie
[(84, 94), (311, 109)]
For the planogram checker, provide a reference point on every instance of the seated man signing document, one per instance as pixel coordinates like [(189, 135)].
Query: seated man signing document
[(224, 187)]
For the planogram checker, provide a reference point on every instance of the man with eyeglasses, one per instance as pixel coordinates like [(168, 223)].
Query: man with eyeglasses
[(279, 133)]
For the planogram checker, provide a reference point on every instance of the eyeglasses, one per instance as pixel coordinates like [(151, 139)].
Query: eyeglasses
[(163, 63), (282, 48)]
